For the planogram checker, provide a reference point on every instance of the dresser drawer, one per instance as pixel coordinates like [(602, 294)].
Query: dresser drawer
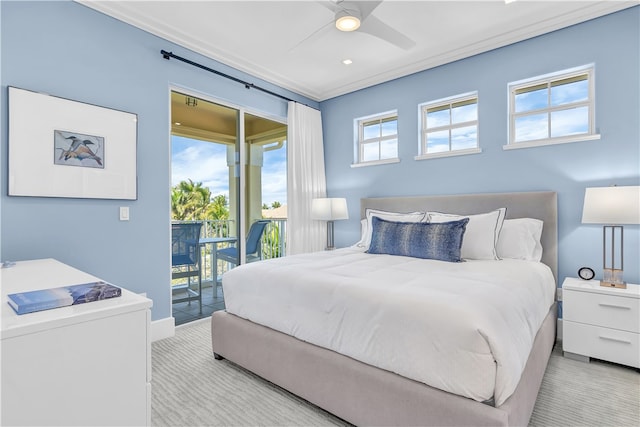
[(602, 343), (602, 310)]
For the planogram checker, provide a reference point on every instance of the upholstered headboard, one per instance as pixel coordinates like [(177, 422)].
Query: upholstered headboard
[(541, 205)]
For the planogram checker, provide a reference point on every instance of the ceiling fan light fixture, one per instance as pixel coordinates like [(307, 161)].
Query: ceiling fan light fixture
[(347, 20)]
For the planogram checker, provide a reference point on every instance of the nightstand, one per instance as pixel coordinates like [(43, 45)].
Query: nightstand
[(601, 322)]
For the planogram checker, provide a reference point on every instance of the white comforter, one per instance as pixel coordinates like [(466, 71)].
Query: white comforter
[(466, 328)]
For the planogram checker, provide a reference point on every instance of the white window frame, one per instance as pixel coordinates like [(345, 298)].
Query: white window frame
[(360, 141), (443, 102), (548, 80)]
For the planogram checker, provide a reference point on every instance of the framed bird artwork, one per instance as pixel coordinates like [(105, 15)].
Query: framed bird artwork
[(77, 149), (64, 148)]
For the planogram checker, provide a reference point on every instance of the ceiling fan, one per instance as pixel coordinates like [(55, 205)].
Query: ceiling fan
[(356, 16)]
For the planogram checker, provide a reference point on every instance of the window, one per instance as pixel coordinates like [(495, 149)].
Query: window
[(377, 139), (552, 109), (449, 127)]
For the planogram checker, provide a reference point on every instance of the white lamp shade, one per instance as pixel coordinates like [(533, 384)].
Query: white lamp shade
[(611, 205), (329, 209)]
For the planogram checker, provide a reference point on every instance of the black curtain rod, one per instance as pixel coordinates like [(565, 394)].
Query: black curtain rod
[(168, 55)]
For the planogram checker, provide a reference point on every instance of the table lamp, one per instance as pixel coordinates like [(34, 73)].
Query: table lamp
[(329, 209), (612, 206)]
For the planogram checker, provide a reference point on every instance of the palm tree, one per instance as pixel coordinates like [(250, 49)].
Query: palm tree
[(190, 201), (218, 210), (178, 202)]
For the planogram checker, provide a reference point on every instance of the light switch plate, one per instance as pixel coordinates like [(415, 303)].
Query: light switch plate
[(124, 213)]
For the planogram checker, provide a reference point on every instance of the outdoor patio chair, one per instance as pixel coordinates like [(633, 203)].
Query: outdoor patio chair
[(185, 260), (252, 245)]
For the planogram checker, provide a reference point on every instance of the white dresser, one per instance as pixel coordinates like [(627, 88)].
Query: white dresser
[(601, 322), (87, 364)]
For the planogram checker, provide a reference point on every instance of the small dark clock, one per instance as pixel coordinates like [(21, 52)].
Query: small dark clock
[(586, 273)]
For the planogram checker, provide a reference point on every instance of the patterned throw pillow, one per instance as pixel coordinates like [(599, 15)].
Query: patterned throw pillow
[(440, 241)]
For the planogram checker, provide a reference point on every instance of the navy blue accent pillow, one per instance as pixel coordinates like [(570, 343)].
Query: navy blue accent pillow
[(441, 241)]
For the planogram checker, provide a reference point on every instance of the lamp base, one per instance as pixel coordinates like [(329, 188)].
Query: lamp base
[(622, 285), (612, 278)]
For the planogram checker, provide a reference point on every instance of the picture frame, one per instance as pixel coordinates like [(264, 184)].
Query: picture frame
[(64, 148)]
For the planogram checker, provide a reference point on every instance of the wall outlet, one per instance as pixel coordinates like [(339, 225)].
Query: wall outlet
[(559, 294)]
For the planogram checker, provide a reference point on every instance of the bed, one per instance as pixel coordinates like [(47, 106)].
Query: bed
[(335, 372)]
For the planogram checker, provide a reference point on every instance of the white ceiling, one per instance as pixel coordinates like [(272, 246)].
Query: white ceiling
[(278, 41)]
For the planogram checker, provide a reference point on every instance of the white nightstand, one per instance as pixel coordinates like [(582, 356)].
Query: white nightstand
[(601, 322)]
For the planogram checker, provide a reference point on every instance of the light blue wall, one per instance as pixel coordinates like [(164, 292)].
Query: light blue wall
[(68, 50), (612, 43)]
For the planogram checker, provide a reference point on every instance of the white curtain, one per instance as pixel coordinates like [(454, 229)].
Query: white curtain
[(305, 179)]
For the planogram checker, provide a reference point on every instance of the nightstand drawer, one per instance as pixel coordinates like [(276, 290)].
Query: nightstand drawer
[(602, 310), (602, 343)]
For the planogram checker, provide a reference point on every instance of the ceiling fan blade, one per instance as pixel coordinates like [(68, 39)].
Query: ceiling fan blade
[(377, 28), (365, 7), (317, 34)]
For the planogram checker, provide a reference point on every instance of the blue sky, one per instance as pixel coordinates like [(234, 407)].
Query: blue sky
[(460, 138), (206, 162)]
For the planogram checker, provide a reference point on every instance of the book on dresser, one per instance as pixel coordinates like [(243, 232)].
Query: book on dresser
[(46, 299)]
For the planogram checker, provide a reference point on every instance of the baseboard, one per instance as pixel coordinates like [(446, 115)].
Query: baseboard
[(559, 330), (163, 328)]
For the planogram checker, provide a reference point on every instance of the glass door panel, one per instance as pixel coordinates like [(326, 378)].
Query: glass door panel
[(266, 184), (205, 188)]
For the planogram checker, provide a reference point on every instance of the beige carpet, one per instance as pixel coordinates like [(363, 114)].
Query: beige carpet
[(191, 388)]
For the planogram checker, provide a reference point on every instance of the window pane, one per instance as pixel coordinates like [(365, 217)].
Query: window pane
[(437, 117), (570, 122), (531, 100), (389, 149), (531, 127), (569, 90), (437, 141), (370, 152), (464, 113), (371, 130), (559, 105), (463, 138), (390, 127)]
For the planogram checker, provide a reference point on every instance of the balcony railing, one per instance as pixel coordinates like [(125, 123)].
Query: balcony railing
[(272, 243)]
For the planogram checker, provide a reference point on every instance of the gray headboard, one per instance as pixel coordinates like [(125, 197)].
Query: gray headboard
[(542, 205)]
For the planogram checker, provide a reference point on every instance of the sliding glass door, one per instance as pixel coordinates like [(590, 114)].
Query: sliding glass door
[(228, 172)]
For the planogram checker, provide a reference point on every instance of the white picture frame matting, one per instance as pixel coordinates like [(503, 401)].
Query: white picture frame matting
[(99, 161)]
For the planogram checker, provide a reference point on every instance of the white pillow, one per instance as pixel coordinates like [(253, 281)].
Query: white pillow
[(482, 233), (520, 239), (389, 216), (363, 232)]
